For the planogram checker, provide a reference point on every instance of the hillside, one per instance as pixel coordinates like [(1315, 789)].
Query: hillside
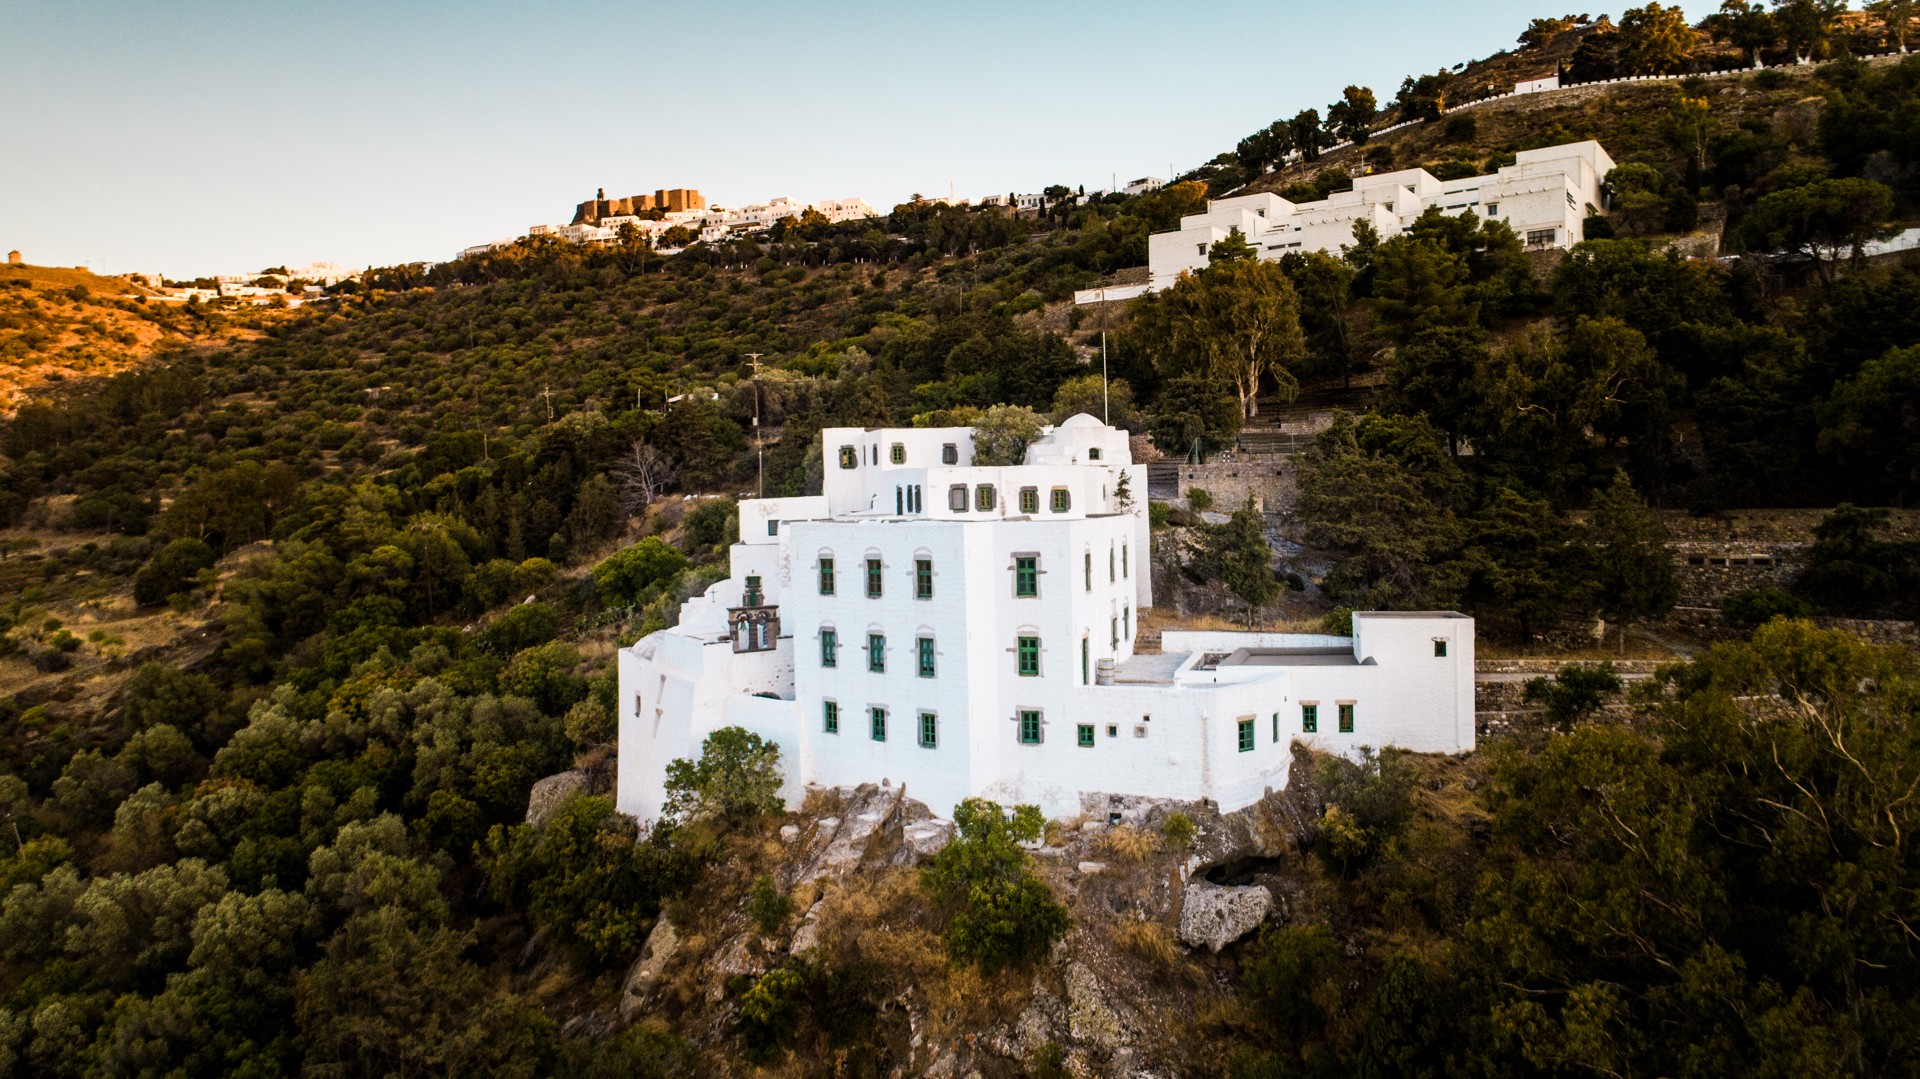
[(307, 735), (59, 323)]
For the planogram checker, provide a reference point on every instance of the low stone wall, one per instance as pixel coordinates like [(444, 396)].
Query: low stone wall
[(1269, 478)]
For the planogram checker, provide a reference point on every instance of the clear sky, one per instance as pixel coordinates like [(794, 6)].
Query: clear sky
[(197, 138)]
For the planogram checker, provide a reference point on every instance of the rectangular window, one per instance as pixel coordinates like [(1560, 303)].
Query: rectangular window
[(1030, 728), (983, 498), (926, 657), (1309, 718), (1093, 453), (873, 577), (1126, 622), (1113, 573), (1088, 571), (898, 455), (1029, 500), (876, 652), (1113, 730), (1062, 501), (830, 717), (929, 730), (957, 498), (753, 595), (1083, 661), (950, 454), (1493, 209), (1029, 653), (877, 720), (1439, 649), (848, 458), (1085, 735), (829, 648), (1126, 562), (773, 527), (1276, 726), (923, 578), (1346, 719), (1026, 575), (826, 576), (1246, 735)]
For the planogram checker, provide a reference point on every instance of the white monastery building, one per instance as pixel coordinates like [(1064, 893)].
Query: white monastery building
[(968, 630), (1545, 196)]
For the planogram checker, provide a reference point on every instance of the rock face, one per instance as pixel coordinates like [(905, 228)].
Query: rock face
[(926, 837), (661, 946), (1215, 916), (548, 794)]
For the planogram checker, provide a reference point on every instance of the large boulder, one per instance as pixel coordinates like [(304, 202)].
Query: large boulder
[(548, 794), (1214, 915), (648, 970)]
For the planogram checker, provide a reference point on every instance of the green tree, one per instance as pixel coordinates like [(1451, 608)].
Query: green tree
[(1386, 515), (998, 913), (1746, 25), (1655, 40), (628, 575), (1238, 320), (1196, 414), (1442, 374), (736, 779), (1575, 692), (1352, 116), (1826, 220), (1233, 247), (1633, 570), (1896, 19), (1806, 26), (1871, 424), (174, 568), (1001, 435)]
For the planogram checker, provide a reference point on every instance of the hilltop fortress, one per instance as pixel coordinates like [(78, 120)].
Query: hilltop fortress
[(667, 199)]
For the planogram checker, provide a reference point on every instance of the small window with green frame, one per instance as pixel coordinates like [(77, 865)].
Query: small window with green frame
[(826, 575), (1309, 718), (923, 578), (829, 648), (1062, 500), (1030, 726), (1085, 733), (1029, 500), (877, 723), (929, 730), (830, 716), (1246, 735), (876, 653), (848, 458), (1028, 651), (875, 578), (925, 647), (1346, 718), (1026, 576)]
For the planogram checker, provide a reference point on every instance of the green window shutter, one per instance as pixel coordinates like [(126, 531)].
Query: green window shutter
[(878, 718), (1029, 500), (1083, 661), (830, 717), (1246, 736), (1089, 571), (1029, 653), (1029, 728), (1276, 726), (1062, 501), (876, 652), (873, 577), (1026, 576), (929, 730), (926, 657), (1346, 719), (826, 576), (1086, 735), (829, 648), (923, 578), (1309, 718)]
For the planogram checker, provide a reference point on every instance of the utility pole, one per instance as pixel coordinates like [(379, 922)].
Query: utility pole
[(759, 444)]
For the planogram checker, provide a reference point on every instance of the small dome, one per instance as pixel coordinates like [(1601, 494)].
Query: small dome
[(1081, 420)]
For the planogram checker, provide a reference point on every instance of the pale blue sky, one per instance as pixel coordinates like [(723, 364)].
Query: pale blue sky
[(194, 138)]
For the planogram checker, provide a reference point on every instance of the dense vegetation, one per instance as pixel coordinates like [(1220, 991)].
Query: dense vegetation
[(412, 522)]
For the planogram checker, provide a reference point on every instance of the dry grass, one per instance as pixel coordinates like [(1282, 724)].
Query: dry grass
[(1122, 843), (1146, 940)]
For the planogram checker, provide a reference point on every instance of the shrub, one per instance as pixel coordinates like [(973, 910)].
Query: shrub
[(1000, 915), (1751, 607), (1178, 830), (1574, 693), (626, 577), (171, 570), (767, 905), (1200, 499)]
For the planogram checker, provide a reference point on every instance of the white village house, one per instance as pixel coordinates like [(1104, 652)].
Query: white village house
[(1546, 196), (969, 630)]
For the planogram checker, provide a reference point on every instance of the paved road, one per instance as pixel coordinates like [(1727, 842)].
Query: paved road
[(1518, 676)]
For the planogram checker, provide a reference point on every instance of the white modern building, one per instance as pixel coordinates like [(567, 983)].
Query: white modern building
[(969, 630), (1545, 196)]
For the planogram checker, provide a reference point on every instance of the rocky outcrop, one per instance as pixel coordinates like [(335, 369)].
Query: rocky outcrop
[(548, 794), (1214, 915), (648, 970)]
